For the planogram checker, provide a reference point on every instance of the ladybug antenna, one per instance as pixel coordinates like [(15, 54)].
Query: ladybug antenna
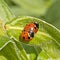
[(37, 24)]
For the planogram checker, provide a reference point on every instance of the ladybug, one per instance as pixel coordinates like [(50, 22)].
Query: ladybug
[(32, 26), (27, 36), (29, 31)]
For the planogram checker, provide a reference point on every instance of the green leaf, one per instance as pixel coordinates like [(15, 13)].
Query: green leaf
[(6, 46), (47, 37), (11, 51), (5, 13), (45, 44), (9, 48), (45, 29), (42, 56), (3, 36), (32, 51)]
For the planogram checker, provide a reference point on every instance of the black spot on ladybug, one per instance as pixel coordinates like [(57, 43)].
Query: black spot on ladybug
[(23, 37), (35, 27), (28, 25), (31, 34), (24, 30), (28, 37), (37, 24)]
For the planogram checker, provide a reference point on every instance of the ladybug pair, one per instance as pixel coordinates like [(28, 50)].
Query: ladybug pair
[(29, 31)]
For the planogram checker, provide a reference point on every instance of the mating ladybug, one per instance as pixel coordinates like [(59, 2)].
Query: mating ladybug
[(27, 36), (29, 31), (32, 26)]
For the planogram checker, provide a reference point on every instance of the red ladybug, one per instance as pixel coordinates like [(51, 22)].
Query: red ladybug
[(32, 26), (27, 36), (29, 31)]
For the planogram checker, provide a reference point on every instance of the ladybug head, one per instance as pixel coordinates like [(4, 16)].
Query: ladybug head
[(37, 24), (31, 33)]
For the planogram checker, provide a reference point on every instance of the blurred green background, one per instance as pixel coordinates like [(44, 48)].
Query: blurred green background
[(48, 10)]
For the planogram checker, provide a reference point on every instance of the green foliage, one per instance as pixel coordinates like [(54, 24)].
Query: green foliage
[(30, 7), (53, 14), (45, 44), (48, 10), (37, 7), (47, 38), (5, 12)]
